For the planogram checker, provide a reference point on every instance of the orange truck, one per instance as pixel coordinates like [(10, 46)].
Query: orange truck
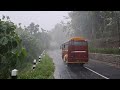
[(75, 51)]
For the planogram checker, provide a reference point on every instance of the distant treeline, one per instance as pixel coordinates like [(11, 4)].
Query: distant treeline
[(102, 28)]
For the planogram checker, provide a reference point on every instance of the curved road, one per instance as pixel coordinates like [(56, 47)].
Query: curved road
[(93, 70)]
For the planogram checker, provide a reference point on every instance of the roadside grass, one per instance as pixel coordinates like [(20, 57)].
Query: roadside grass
[(43, 70), (104, 50)]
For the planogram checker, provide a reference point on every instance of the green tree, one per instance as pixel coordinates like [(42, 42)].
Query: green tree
[(11, 50)]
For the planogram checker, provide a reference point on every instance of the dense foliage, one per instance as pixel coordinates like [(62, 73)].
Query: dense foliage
[(33, 40), (11, 49), (100, 28), (17, 42)]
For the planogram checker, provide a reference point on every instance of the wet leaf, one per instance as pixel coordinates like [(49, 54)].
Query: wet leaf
[(3, 41)]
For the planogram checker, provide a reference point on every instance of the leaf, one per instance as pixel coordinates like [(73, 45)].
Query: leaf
[(3, 17), (14, 50), (8, 17), (3, 59), (24, 52), (17, 54), (4, 41)]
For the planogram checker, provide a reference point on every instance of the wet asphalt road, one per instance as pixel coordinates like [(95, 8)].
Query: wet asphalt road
[(62, 71)]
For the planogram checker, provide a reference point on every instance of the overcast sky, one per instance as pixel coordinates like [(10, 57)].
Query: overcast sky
[(46, 19)]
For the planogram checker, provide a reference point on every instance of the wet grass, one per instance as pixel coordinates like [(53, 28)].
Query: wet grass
[(105, 50), (43, 70)]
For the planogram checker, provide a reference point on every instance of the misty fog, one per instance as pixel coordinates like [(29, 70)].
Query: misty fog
[(24, 35)]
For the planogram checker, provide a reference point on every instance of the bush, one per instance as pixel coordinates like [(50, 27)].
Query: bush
[(11, 50)]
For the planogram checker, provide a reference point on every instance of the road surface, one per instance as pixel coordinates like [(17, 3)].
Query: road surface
[(93, 70)]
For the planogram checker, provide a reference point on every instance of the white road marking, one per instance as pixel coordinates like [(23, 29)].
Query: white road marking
[(96, 73)]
